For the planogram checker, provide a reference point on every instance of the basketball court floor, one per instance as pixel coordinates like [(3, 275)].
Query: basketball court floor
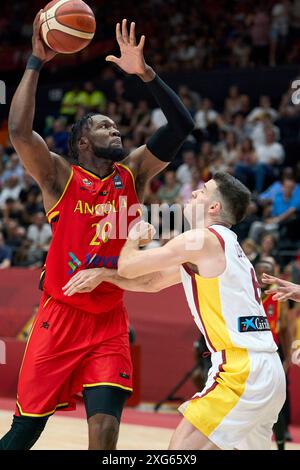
[(141, 429)]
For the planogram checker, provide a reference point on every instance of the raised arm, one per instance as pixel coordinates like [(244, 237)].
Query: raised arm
[(49, 170), (162, 146)]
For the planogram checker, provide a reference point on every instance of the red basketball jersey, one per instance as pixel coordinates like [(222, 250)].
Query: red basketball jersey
[(272, 309), (90, 223)]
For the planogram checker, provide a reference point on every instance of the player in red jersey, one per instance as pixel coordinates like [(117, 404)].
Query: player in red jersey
[(80, 343), (282, 324)]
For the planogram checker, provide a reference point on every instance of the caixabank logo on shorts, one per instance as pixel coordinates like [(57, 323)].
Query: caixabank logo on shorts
[(253, 323)]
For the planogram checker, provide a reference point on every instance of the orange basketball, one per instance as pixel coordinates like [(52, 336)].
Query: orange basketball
[(67, 26)]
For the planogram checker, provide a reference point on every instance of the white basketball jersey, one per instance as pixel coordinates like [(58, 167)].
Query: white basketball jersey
[(228, 309)]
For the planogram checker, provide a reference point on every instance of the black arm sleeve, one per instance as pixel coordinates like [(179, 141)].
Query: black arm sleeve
[(167, 140)]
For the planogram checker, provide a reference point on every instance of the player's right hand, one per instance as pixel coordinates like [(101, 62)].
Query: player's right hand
[(39, 48), (84, 281)]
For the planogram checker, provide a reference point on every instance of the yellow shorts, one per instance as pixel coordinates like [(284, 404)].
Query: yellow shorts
[(242, 398)]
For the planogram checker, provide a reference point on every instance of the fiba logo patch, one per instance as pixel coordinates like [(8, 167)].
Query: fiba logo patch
[(87, 182), (118, 182)]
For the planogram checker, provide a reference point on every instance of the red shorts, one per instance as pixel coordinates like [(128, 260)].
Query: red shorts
[(69, 350)]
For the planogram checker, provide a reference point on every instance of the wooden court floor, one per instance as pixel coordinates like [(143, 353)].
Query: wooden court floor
[(68, 433)]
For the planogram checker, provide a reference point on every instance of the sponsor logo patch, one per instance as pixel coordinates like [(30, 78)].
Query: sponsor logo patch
[(253, 323)]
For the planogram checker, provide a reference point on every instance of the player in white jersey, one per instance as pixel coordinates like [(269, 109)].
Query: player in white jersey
[(245, 389)]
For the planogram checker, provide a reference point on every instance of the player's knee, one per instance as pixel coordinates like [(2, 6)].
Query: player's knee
[(23, 434), (103, 432)]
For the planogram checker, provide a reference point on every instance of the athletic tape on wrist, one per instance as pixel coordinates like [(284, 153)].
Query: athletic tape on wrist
[(34, 63)]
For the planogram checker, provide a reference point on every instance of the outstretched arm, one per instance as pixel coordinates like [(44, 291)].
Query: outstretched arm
[(88, 279), (150, 159), (187, 247), (49, 170)]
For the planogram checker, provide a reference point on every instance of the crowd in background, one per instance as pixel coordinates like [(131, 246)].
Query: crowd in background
[(248, 141), (206, 34)]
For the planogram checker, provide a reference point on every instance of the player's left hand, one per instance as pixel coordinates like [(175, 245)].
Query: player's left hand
[(84, 281), (143, 232), (132, 57)]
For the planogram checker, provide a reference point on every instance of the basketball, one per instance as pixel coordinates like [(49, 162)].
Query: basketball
[(67, 26)]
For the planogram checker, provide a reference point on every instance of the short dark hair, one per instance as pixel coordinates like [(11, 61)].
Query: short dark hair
[(76, 133), (235, 197)]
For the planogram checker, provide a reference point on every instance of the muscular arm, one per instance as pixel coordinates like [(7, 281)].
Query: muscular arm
[(49, 170), (154, 282), (195, 246), (87, 280), (200, 247)]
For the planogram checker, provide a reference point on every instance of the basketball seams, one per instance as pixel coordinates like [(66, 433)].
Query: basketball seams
[(56, 6), (54, 24), (45, 25), (61, 45), (72, 27)]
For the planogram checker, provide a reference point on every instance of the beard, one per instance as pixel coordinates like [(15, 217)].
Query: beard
[(109, 153)]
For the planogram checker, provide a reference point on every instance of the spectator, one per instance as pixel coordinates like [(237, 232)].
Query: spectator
[(60, 137), (194, 97), (233, 102), (188, 187), (69, 104), (250, 250), (4, 158), (39, 233), (12, 209), (91, 98), (13, 168), (264, 107), (5, 254), (284, 210), (12, 189), (269, 156), (170, 190), (260, 37), (158, 119), (247, 169), (205, 115), (268, 247), (183, 173), (229, 149), (258, 127), (142, 127), (279, 32), (276, 188)]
